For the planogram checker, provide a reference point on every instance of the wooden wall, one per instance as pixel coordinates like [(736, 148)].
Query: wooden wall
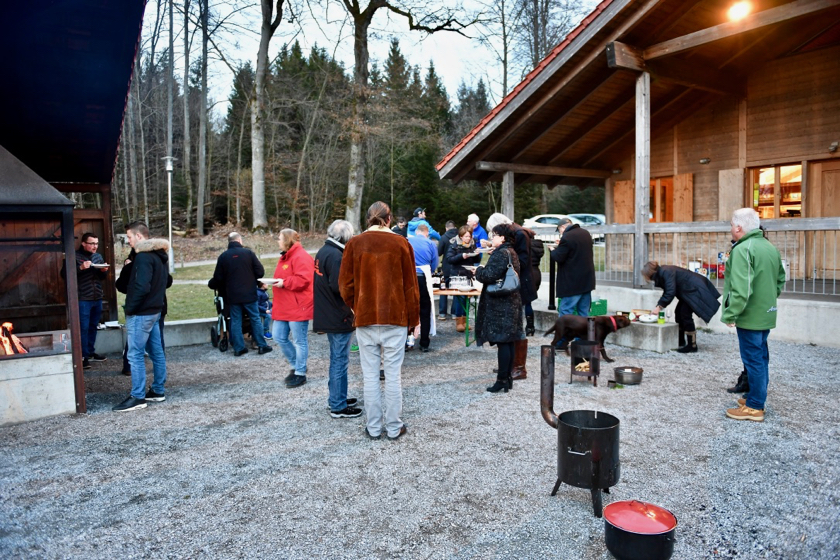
[(793, 108), (792, 115), (32, 292)]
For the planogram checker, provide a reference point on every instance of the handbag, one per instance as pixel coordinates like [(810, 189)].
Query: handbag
[(507, 285)]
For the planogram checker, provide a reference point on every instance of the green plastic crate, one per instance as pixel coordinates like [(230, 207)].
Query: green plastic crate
[(597, 307)]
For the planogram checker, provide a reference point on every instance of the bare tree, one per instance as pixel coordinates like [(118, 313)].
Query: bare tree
[(187, 138), (202, 121), (499, 20), (541, 25), (420, 17), (272, 14)]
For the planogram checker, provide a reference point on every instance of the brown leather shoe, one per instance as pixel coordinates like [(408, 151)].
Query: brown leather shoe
[(460, 324), (519, 373)]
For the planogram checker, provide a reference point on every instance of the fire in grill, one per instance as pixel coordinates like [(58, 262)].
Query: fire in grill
[(9, 343)]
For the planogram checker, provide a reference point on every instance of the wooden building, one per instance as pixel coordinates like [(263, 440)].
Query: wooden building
[(682, 115), (66, 71)]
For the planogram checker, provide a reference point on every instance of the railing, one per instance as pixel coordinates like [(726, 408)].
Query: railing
[(808, 246)]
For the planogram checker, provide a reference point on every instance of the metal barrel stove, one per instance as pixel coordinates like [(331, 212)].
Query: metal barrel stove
[(587, 440)]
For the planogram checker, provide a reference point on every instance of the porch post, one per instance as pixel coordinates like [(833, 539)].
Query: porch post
[(507, 195), (642, 175)]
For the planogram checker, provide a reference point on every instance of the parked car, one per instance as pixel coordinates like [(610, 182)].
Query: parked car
[(590, 219), (547, 223)]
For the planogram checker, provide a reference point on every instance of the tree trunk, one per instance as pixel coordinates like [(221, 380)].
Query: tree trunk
[(187, 132), (132, 157), (202, 123), (361, 73), (145, 184), (270, 22), (239, 168)]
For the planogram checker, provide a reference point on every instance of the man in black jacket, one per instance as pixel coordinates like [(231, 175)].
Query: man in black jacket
[(236, 274), (575, 270), (334, 317), (143, 305), (443, 248)]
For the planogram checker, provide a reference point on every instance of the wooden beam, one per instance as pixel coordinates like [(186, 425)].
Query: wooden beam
[(581, 104), (507, 195), (627, 57), (82, 187), (642, 175), (621, 55), (542, 170), (785, 12)]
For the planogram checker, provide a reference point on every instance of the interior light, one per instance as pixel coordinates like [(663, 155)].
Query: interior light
[(739, 10)]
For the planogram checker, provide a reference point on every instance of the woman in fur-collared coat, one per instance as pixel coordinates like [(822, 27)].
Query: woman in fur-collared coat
[(499, 318)]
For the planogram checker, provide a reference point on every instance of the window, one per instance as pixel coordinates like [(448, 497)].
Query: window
[(777, 191)]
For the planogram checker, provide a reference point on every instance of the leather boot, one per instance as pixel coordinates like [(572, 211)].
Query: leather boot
[(519, 357), (742, 385), (460, 324), (503, 383), (529, 325), (691, 345), (681, 339)]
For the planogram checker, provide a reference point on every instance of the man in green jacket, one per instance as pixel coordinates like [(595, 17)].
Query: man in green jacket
[(754, 279)]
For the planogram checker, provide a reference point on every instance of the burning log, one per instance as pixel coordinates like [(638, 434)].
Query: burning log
[(9, 343)]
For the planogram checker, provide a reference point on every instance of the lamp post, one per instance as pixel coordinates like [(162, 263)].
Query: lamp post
[(169, 169)]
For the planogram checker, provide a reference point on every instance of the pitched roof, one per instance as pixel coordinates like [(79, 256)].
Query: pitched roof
[(527, 80), (20, 186)]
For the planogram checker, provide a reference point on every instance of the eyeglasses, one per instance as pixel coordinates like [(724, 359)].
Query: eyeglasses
[(90, 243)]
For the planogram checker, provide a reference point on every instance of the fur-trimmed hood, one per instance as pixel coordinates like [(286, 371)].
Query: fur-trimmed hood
[(149, 245)]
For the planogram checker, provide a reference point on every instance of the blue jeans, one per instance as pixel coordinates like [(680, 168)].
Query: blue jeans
[(126, 365), (266, 322), (756, 358), (580, 302), (442, 304), (459, 306), (89, 314), (296, 352), (253, 312), (339, 361), (143, 332)]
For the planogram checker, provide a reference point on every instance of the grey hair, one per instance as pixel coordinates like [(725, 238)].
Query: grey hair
[(234, 236), (496, 219), (747, 218), (472, 218), (341, 231)]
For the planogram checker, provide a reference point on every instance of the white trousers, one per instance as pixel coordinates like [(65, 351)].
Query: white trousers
[(390, 340)]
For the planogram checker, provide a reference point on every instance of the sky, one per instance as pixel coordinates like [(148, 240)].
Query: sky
[(456, 58)]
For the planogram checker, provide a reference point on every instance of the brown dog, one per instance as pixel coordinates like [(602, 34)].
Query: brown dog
[(573, 326)]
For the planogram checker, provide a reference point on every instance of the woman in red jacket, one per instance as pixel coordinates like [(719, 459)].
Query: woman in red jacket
[(292, 309)]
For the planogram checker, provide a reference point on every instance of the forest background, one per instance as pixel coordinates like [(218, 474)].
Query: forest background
[(300, 140)]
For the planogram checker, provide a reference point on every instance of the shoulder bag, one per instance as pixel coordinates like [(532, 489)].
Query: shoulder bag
[(506, 285)]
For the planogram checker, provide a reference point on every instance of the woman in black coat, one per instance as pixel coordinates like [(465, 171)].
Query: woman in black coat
[(461, 253), (696, 293), (499, 318)]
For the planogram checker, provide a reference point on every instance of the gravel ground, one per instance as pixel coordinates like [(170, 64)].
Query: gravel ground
[(233, 464)]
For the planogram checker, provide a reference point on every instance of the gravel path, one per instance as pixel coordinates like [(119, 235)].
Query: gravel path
[(233, 464)]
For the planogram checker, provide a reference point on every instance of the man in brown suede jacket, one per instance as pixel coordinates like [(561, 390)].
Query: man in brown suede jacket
[(379, 283)]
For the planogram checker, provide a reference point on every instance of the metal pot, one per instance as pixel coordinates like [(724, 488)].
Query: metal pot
[(627, 375), (636, 530)]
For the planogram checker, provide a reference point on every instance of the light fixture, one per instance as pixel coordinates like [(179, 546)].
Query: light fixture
[(617, 170), (739, 10), (705, 161), (833, 147)]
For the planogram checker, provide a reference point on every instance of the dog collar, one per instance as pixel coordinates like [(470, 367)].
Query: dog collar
[(615, 327)]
